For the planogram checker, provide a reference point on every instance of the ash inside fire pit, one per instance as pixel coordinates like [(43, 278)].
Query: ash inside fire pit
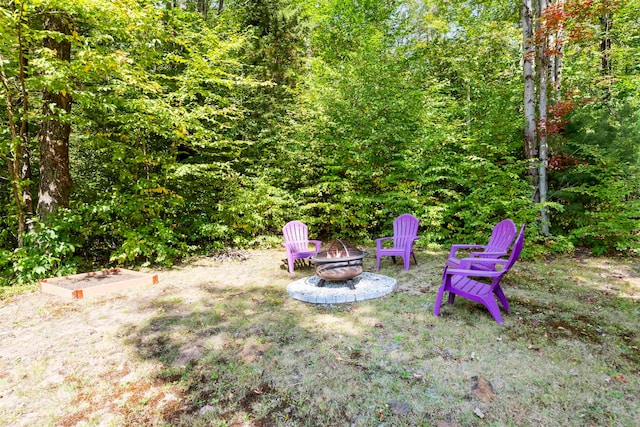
[(338, 262)]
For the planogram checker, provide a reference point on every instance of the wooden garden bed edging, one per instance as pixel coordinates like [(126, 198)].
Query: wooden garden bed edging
[(95, 283)]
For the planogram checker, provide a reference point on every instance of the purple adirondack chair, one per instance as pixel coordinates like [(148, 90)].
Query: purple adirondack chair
[(501, 238), (459, 282), (405, 232), (297, 243)]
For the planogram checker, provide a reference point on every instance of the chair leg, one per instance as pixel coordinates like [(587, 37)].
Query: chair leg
[(377, 262), (452, 297), (503, 299), (414, 257), (291, 263), (393, 259), (436, 307), (407, 261), (492, 305)]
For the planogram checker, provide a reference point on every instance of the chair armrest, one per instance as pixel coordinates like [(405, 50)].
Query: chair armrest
[(318, 244), (380, 240), (490, 254), (292, 245), (465, 263), (454, 248), (485, 260), (472, 273)]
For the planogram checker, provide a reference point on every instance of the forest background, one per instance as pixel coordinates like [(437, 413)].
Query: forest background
[(141, 132)]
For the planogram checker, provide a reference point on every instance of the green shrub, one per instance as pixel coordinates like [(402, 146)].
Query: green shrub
[(47, 251), (135, 229)]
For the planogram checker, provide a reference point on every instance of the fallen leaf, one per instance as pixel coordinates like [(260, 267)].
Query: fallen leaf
[(483, 389), (620, 378), (478, 412)]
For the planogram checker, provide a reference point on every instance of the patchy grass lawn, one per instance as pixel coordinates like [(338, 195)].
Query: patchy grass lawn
[(221, 343)]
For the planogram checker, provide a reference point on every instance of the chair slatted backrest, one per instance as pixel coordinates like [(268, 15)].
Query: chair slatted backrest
[(405, 230), (501, 236), (515, 253), (296, 235)]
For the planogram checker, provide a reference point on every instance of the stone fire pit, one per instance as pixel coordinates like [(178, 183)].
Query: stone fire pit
[(366, 286)]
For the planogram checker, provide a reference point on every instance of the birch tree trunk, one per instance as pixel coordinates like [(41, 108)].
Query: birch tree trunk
[(543, 73), (606, 22), (556, 64), (55, 177), (530, 143)]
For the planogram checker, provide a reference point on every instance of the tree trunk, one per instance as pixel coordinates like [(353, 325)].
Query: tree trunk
[(606, 22), (530, 143), (14, 158), (18, 158), (605, 43), (55, 177), (203, 8), (543, 73), (556, 64), (25, 166)]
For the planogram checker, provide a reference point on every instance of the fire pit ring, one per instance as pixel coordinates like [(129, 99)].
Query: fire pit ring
[(339, 262), (367, 286)]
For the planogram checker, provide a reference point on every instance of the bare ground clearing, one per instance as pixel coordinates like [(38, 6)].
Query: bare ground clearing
[(147, 356)]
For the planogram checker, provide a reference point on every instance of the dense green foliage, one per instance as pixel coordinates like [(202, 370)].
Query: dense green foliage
[(191, 133)]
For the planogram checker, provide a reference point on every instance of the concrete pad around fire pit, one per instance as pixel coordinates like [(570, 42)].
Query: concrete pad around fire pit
[(367, 286)]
